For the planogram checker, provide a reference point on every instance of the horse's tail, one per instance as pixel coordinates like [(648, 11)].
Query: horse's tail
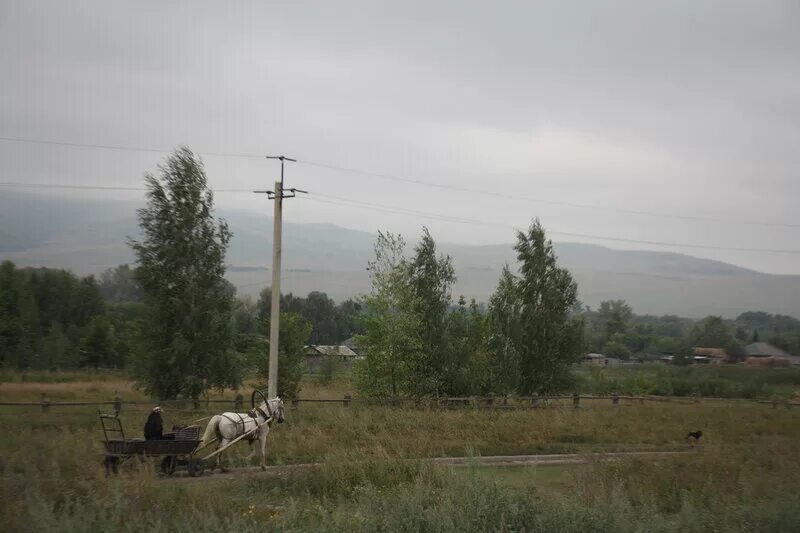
[(212, 430)]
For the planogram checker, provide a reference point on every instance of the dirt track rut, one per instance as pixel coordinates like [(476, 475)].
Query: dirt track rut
[(491, 460)]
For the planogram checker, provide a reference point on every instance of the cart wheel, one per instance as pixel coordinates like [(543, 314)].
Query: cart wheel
[(196, 467), (111, 465), (168, 464)]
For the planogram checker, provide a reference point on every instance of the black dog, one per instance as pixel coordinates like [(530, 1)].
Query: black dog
[(694, 436)]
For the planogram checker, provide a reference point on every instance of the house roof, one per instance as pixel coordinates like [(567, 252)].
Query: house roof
[(594, 356), (718, 353), (350, 342), (764, 349), (331, 350)]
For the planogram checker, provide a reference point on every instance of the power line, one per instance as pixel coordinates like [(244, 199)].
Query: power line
[(403, 211), (347, 202), (122, 148), (20, 185), (423, 183), (506, 196)]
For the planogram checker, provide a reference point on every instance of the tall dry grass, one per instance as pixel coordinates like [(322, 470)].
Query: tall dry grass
[(742, 478)]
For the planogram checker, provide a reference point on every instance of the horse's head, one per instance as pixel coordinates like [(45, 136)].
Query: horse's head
[(277, 409)]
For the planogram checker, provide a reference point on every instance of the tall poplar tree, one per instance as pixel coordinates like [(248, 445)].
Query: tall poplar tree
[(430, 280), (535, 336), (181, 268)]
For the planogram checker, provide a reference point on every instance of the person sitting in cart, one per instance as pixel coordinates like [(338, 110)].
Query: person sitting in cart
[(154, 427)]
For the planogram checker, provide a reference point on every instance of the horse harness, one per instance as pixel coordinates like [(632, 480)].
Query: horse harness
[(254, 415)]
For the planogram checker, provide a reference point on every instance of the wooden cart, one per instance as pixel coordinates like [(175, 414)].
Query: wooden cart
[(178, 449)]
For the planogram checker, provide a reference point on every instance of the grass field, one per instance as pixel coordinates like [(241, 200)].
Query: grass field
[(743, 477)]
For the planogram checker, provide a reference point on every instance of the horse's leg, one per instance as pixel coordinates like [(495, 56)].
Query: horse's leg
[(264, 433), (223, 441), (253, 451)]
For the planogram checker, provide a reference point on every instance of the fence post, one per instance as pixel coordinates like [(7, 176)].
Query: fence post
[(615, 399), (238, 402), (697, 397), (117, 402), (535, 400), (45, 403), (196, 402), (295, 403), (576, 400), (347, 399)]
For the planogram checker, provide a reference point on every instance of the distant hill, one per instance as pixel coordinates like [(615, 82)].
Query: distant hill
[(88, 236)]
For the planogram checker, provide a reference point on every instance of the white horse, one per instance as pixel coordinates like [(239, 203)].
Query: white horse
[(228, 426)]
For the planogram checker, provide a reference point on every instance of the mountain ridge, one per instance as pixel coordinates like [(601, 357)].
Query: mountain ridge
[(88, 235)]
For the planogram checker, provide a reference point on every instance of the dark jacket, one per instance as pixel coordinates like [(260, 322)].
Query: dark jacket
[(153, 428)]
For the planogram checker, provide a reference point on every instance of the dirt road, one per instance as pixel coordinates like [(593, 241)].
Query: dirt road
[(491, 460)]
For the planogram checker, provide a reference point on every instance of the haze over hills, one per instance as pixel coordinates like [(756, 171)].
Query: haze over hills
[(87, 235)]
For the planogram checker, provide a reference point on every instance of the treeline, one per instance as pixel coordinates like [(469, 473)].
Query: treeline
[(53, 319), (614, 330)]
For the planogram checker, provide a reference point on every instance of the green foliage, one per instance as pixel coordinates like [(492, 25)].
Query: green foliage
[(542, 338), (392, 341), (712, 332), (292, 338), (181, 267), (430, 280), (615, 348), (715, 381), (331, 323), (615, 316), (466, 365), (119, 285), (46, 316), (328, 369), (505, 330), (99, 344)]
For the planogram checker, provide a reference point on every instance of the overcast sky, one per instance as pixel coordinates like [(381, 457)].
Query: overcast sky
[(689, 108)]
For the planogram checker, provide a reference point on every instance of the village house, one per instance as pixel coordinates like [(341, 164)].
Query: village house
[(765, 354), (316, 354), (714, 356)]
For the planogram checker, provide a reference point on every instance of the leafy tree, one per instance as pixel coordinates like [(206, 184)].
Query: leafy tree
[(546, 337), (465, 369), (119, 285), (331, 323), (505, 332), (348, 319), (615, 348), (615, 315), (430, 279), (740, 334), (181, 267), (320, 311), (292, 339), (711, 332), (99, 346), (735, 350), (57, 349), (9, 316), (392, 340)]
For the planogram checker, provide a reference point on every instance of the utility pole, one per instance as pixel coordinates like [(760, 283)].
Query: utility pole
[(274, 327)]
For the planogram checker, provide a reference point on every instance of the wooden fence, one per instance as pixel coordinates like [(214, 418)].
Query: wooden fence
[(466, 402)]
